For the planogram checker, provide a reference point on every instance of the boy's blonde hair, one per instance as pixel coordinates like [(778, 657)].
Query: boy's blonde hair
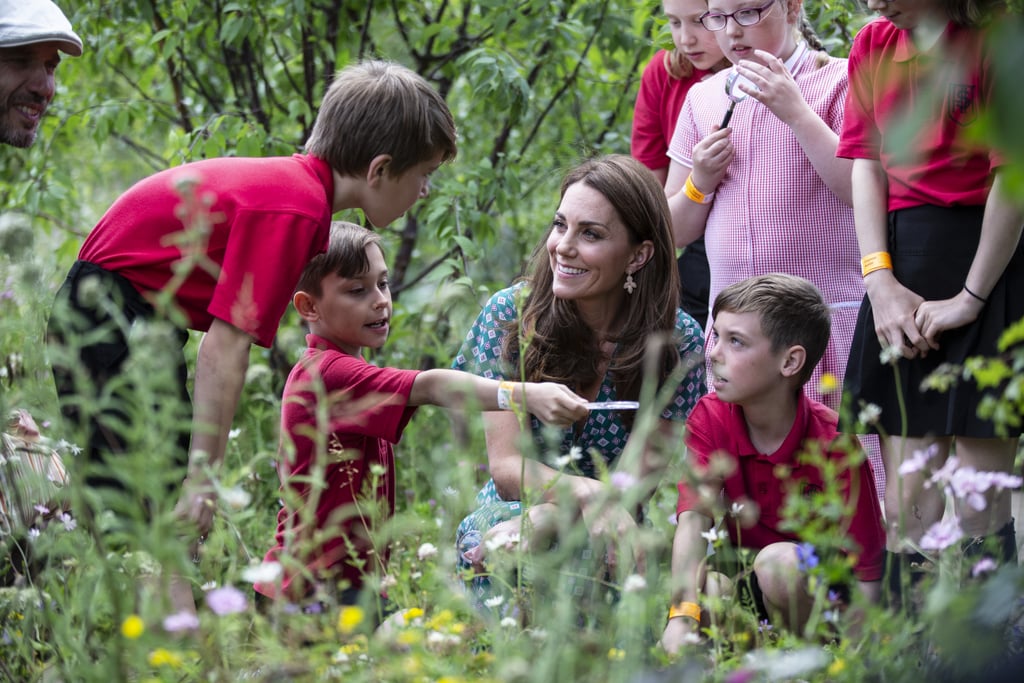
[(345, 257), (792, 311), (378, 107)]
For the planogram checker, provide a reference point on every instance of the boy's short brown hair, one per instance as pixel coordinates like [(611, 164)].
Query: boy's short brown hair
[(792, 310), (378, 107), (345, 257)]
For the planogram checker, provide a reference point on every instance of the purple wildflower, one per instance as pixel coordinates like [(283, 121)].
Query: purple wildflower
[(918, 459), (806, 560), (985, 564), (741, 676), (226, 600), (622, 480), (181, 621), (941, 535)]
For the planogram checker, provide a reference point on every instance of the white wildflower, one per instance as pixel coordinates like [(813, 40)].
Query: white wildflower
[(236, 498), (495, 601), (264, 572), (502, 540), (712, 535), (890, 354), (426, 551), (869, 414), (509, 622), (70, 524), (634, 583)]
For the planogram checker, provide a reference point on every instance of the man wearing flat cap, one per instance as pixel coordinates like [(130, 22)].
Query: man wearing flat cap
[(33, 33)]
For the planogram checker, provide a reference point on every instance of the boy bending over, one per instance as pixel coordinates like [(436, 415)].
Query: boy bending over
[(341, 416), (769, 333)]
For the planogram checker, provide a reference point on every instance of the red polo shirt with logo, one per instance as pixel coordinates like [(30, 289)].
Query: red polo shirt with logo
[(719, 428), (918, 112)]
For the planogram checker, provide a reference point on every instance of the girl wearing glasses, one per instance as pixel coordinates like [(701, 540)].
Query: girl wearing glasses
[(767, 192), (663, 87), (943, 261)]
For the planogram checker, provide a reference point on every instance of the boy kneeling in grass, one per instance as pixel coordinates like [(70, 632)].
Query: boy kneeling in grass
[(341, 416), (769, 333)]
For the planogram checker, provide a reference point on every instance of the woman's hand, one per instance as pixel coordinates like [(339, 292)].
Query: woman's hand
[(611, 525), (509, 534)]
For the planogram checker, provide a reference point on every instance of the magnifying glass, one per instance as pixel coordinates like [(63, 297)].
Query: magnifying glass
[(732, 91)]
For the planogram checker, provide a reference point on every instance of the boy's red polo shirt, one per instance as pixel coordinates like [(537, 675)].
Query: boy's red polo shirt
[(715, 426)]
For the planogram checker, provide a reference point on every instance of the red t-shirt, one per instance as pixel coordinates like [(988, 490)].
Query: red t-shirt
[(717, 427), (368, 410), (916, 112), (268, 218), (658, 103)]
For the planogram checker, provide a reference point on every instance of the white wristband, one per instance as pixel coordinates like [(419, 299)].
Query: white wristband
[(505, 391)]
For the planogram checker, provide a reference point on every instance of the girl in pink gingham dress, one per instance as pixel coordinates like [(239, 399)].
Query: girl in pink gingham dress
[(767, 192)]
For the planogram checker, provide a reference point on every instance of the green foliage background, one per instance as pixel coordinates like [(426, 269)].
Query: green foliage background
[(535, 85)]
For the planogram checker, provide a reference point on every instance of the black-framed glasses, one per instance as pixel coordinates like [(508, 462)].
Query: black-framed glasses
[(748, 16)]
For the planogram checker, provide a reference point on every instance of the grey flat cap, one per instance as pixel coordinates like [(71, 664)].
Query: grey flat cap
[(24, 22)]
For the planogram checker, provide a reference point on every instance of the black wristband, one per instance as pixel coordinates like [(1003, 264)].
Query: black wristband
[(981, 299)]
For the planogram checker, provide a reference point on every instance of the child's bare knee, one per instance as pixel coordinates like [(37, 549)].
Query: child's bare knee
[(777, 570)]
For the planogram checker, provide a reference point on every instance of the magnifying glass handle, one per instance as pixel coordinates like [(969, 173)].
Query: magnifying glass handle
[(728, 115)]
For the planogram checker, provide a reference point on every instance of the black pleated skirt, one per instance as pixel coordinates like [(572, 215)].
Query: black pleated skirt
[(932, 249)]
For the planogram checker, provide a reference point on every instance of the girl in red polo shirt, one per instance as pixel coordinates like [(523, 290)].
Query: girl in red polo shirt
[(663, 87), (942, 260)]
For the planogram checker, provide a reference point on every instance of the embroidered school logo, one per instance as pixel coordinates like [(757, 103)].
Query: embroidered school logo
[(962, 104)]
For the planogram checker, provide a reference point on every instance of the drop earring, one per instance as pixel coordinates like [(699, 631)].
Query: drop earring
[(630, 284)]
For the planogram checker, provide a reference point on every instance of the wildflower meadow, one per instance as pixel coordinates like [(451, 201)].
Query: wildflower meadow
[(86, 579)]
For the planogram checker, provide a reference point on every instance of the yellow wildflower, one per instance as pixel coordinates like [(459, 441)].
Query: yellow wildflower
[(411, 614), (410, 637), (441, 619), (836, 667), (828, 383), (164, 657), (616, 655), (412, 665), (349, 618), (132, 627)]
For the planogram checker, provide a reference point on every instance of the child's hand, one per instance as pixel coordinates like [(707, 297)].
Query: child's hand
[(935, 317), (711, 158), (554, 404), (776, 88), (679, 632), (894, 308), (198, 504)]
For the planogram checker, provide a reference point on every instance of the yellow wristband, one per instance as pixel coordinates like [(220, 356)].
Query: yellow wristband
[(878, 260), (695, 195), (506, 390), (685, 609)]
